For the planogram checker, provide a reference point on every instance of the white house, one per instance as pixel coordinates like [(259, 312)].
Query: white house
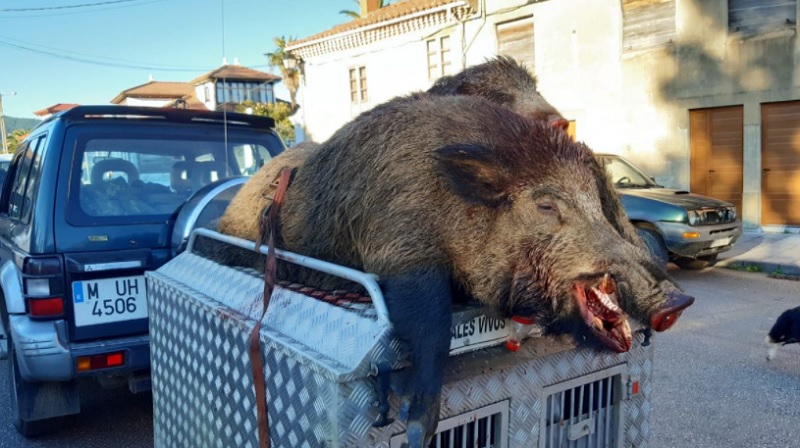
[(223, 87), (703, 94)]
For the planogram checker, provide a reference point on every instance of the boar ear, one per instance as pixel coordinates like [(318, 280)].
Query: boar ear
[(474, 173)]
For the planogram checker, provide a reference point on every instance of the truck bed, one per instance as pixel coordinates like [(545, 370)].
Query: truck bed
[(322, 355)]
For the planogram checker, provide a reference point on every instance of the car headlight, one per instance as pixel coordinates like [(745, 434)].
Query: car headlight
[(694, 217), (732, 213)]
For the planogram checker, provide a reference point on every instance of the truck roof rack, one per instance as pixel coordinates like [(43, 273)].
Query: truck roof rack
[(168, 114)]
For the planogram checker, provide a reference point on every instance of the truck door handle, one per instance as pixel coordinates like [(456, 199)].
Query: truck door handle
[(767, 170), (711, 171)]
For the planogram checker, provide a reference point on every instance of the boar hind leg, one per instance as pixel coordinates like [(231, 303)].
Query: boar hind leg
[(419, 305)]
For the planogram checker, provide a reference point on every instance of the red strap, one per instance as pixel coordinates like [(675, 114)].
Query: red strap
[(268, 228)]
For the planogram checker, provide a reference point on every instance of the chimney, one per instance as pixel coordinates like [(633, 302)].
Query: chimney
[(367, 6), (224, 61), (151, 79), (235, 61)]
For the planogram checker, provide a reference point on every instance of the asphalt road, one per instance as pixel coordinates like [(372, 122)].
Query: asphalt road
[(713, 387)]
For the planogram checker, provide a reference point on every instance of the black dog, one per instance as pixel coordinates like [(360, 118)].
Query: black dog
[(785, 331)]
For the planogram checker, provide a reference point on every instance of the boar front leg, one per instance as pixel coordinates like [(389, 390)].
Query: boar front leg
[(419, 303)]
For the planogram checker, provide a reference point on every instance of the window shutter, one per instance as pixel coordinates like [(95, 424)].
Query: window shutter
[(515, 39), (760, 15), (647, 24)]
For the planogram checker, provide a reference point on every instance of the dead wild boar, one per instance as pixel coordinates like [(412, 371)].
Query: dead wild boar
[(431, 191), (502, 80), (242, 217)]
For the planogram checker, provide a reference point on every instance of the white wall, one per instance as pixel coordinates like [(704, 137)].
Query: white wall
[(395, 67), (148, 102)]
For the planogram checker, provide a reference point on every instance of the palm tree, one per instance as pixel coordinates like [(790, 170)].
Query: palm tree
[(291, 77), (15, 138), (357, 15)]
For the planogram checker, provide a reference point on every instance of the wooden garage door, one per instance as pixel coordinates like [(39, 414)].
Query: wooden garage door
[(515, 39), (717, 153), (780, 163)]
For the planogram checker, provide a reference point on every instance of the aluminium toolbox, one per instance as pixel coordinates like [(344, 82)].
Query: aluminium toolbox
[(322, 369)]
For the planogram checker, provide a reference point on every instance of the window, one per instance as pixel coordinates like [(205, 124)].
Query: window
[(515, 39), (752, 16), (439, 57), (239, 92), (358, 85), (206, 94), (33, 179), (647, 24), (127, 179)]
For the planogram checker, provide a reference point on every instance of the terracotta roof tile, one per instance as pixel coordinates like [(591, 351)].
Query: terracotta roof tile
[(393, 11), (156, 89), (55, 108), (236, 72)]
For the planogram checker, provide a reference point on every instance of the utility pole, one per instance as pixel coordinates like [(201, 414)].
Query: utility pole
[(3, 122)]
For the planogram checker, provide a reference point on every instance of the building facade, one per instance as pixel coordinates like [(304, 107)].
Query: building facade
[(703, 94), (222, 88)]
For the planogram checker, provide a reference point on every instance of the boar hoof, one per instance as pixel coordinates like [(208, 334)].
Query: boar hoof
[(421, 417), (417, 435), (666, 316)]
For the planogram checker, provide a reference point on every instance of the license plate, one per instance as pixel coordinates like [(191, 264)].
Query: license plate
[(109, 300), (468, 334), (721, 242)]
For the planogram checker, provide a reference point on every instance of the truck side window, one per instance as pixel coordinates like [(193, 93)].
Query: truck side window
[(19, 169), (33, 178)]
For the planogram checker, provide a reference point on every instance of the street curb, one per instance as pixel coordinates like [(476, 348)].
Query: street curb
[(763, 266)]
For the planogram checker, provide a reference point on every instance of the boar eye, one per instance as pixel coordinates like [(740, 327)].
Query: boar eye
[(547, 207)]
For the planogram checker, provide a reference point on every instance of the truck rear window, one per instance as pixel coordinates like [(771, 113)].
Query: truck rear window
[(140, 179)]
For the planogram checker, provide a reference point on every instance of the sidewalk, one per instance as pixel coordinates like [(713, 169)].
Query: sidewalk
[(771, 252)]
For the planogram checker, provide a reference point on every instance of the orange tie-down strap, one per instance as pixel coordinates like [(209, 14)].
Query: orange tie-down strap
[(269, 226)]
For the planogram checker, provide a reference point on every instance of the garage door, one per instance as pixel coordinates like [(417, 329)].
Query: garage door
[(780, 163), (717, 153)]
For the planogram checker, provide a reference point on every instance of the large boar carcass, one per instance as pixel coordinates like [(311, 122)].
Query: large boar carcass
[(429, 192), (500, 80)]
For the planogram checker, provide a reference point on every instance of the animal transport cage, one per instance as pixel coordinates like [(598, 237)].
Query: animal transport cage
[(328, 361)]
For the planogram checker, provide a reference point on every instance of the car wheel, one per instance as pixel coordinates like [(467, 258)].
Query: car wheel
[(17, 389), (696, 264), (655, 244)]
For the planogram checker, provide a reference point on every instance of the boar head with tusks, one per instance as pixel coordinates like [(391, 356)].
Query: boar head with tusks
[(429, 192)]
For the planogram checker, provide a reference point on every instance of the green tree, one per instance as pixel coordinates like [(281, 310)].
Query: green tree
[(291, 77), (357, 14), (15, 138), (279, 112)]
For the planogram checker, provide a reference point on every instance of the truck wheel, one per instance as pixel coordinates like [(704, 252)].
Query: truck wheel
[(655, 244), (696, 264), (17, 388)]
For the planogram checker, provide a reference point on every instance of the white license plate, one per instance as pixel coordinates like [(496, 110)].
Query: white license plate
[(109, 300), (481, 331), (721, 242)]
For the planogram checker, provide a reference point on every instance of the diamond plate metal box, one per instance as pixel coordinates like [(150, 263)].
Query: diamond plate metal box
[(319, 359)]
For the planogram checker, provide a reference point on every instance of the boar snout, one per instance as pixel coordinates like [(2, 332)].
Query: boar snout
[(668, 313)]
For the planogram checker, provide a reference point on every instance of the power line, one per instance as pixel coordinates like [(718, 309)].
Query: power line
[(103, 61), (82, 5), (107, 63)]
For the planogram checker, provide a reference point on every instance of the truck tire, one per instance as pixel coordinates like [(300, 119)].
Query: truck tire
[(18, 387), (655, 244), (696, 264)]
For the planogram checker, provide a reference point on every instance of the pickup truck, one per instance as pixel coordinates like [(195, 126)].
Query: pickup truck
[(93, 198), (331, 364), (689, 229)]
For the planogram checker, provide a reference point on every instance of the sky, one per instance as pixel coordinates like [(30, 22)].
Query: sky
[(67, 51)]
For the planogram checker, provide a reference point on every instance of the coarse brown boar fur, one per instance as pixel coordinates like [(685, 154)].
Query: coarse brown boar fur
[(501, 80), (429, 191), (504, 81), (242, 217)]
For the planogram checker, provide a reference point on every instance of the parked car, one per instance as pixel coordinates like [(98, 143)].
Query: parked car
[(676, 225), (94, 197)]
